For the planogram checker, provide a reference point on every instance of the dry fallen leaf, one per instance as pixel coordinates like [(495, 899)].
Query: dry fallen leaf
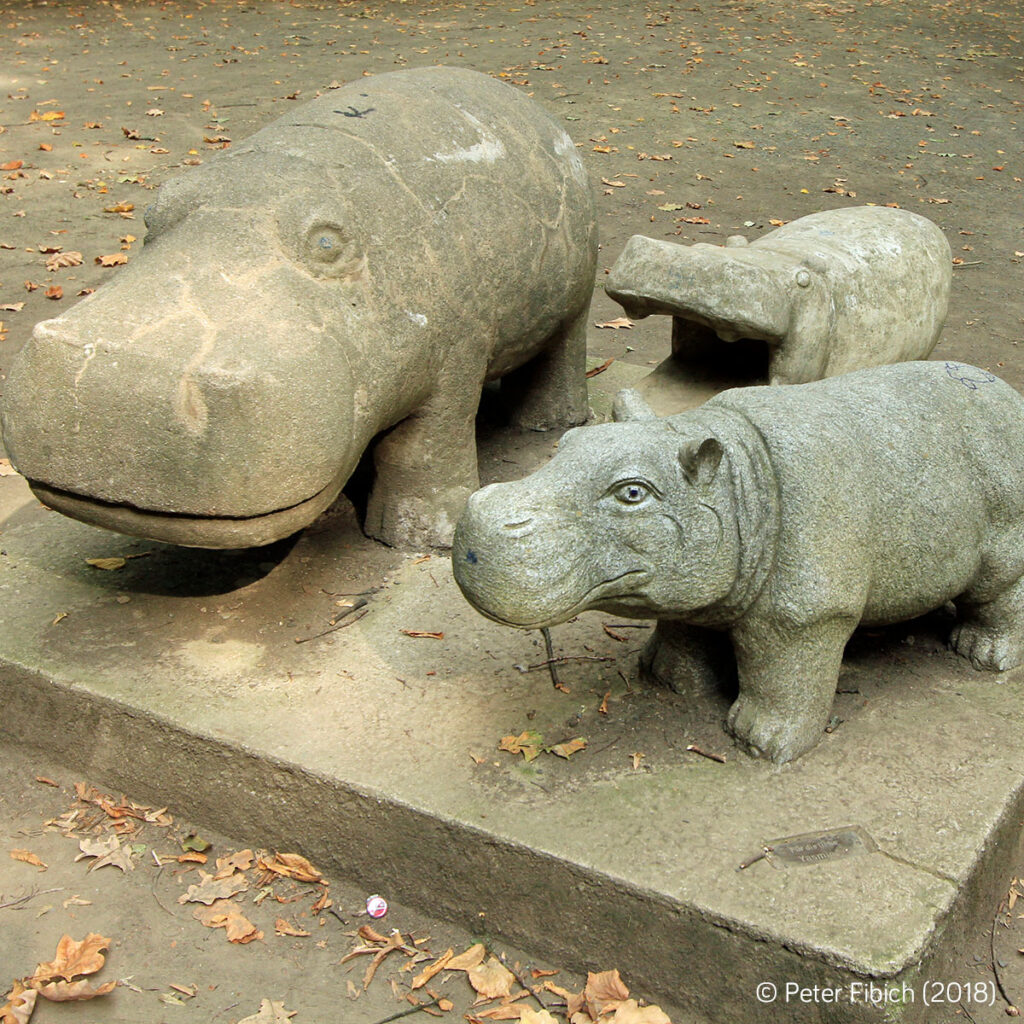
[(283, 927), (108, 852), (240, 861), (210, 889), (468, 958), (28, 858), (536, 1017), (570, 747), (119, 208), (227, 914), (492, 979), (57, 260), (527, 743), (604, 990), (12, 307), (73, 991), (290, 865), (74, 958), (109, 564), (435, 968), (115, 259), (270, 1013), (618, 323), (630, 1012), (19, 1006), (54, 292), (423, 634)]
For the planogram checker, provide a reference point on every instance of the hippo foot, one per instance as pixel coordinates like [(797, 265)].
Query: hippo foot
[(765, 732), (986, 648), (687, 659), (413, 522)]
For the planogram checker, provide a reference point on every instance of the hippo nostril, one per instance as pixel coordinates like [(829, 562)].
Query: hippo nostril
[(471, 557)]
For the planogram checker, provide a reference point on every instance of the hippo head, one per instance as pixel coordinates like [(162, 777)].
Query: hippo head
[(634, 518), (204, 395)]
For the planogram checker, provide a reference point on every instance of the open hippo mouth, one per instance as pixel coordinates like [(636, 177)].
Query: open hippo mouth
[(608, 592), (189, 530)]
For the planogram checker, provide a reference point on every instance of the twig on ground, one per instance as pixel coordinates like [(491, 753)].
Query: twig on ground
[(555, 681), (1011, 1007), (566, 659), (345, 621), (19, 900), (406, 1013)]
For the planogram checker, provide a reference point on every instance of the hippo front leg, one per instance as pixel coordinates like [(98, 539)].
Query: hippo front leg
[(426, 469), (551, 390), (687, 659), (788, 678)]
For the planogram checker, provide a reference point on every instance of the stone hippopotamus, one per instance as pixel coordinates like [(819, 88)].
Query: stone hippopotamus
[(831, 292), (782, 517), (360, 266)]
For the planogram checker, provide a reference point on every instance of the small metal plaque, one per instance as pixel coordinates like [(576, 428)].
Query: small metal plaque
[(816, 847)]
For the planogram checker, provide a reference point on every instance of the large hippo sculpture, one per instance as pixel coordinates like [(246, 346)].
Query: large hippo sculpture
[(362, 265), (783, 517), (831, 292)]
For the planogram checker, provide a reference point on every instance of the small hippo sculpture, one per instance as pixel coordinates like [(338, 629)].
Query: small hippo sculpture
[(831, 292), (783, 517), (358, 268)]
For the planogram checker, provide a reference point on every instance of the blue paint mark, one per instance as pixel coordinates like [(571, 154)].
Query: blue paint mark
[(325, 242), (972, 378), (471, 557)]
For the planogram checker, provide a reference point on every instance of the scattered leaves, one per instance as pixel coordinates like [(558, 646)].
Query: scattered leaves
[(283, 927), (619, 323), (115, 259)]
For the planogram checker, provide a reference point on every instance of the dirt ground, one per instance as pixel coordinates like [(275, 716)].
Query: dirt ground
[(696, 121)]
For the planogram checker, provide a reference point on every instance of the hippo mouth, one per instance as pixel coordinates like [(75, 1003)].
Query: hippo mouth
[(606, 590), (187, 530)]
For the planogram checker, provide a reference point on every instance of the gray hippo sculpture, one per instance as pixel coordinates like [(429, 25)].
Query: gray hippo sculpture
[(783, 517), (831, 292), (360, 266)]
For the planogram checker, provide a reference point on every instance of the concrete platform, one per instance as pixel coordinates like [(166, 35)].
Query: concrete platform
[(200, 677)]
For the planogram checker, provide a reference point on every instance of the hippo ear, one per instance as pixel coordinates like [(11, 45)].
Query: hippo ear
[(700, 460), (629, 405)]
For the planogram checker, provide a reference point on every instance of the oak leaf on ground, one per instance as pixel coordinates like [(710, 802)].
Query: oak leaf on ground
[(468, 958), (210, 888), (226, 914), (630, 1012), (270, 1012)]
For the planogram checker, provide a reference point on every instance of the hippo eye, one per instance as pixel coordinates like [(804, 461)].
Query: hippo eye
[(632, 492)]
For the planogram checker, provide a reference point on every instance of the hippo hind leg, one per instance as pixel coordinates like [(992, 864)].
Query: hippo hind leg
[(990, 634), (551, 390)]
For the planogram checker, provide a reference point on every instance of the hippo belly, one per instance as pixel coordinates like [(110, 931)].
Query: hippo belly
[(358, 268)]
